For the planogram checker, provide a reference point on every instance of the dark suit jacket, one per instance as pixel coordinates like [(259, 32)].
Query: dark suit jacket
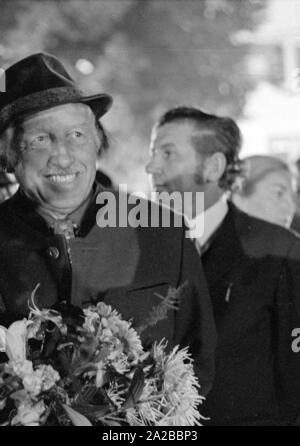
[(122, 266), (295, 226), (253, 273)]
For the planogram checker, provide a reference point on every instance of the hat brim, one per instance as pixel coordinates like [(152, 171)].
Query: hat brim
[(33, 103), (99, 103)]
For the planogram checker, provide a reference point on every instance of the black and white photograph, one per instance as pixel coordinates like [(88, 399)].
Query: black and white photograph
[(149, 215)]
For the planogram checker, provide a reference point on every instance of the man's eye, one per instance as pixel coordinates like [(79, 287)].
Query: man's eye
[(40, 138), (40, 141), (278, 193), (166, 154), (77, 136)]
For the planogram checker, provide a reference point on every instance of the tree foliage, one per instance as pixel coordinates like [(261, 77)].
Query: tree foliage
[(149, 54)]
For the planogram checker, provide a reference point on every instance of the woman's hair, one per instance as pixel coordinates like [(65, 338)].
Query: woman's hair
[(256, 168)]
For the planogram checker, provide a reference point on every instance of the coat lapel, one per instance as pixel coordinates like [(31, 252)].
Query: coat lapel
[(224, 249), (223, 261)]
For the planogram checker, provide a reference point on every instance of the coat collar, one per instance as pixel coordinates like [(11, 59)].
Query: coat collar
[(225, 248), (137, 246), (242, 237), (23, 213)]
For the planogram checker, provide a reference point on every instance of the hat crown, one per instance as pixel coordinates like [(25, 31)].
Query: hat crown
[(38, 72), (38, 82)]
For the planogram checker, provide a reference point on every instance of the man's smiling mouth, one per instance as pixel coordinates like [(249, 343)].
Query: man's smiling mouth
[(62, 179)]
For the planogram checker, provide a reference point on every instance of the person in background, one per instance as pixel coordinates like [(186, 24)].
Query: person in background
[(50, 138), (266, 190), (252, 268)]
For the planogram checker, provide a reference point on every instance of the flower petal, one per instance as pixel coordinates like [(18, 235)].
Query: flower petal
[(16, 340), (3, 334)]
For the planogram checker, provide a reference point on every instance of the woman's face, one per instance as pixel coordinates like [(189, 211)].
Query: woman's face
[(272, 199)]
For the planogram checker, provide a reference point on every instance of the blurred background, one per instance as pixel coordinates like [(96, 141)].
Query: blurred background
[(232, 57)]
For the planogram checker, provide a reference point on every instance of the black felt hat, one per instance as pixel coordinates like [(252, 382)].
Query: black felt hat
[(38, 82)]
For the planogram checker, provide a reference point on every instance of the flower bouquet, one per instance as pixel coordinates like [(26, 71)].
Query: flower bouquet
[(69, 366)]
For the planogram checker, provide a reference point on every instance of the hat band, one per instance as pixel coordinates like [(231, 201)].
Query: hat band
[(41, 99)]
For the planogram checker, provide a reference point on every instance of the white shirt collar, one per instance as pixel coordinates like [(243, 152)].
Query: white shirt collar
[(206, 223)]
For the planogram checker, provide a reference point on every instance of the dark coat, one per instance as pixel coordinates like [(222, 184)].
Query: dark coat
[(122, 266), (295, 226), (253, 273)]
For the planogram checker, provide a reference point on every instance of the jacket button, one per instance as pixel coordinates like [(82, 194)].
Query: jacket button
[(52, 252)]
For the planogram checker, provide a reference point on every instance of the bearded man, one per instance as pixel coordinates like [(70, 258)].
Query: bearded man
[(252, 268)]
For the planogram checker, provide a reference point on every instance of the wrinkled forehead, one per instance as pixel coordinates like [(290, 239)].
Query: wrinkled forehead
[(66, 114)]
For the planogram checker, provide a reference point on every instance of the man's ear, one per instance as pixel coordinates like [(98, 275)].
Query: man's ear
[(5, 165), (9, 169), (215, 166)]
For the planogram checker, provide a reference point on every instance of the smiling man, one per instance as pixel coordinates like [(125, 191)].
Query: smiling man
[(59, 152), (50, 138)]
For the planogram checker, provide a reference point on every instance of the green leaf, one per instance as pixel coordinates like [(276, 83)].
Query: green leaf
[(135, 389), (91, 410), (112, 423), (160, 312), (77, 418)]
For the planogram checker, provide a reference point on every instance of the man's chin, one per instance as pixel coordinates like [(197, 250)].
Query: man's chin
[(62, 204)]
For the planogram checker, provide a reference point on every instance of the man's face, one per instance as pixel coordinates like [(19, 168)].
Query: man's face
[(174, 165), (57, 160)]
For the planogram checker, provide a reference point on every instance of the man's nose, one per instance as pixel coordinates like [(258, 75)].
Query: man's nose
[(62, 155), (153, 168)]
